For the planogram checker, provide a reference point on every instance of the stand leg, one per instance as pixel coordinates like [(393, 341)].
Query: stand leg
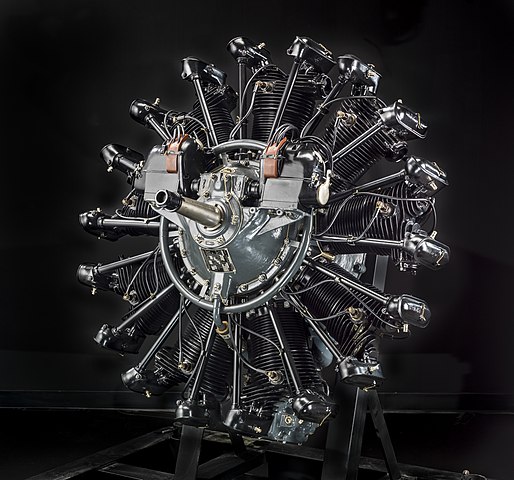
[(344, 438), (345, 433), (377, 415), (238, 445), (357, 432), (188, 453)]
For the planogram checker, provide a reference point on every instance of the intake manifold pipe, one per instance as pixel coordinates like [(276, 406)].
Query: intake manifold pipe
[(203, 213)]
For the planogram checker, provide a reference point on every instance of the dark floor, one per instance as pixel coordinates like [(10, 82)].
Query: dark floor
[(33, 441)]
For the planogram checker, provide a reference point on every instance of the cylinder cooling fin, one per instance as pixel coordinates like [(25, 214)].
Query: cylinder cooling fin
[(355, 117), (271, 86), (221, 101), (255, 301)]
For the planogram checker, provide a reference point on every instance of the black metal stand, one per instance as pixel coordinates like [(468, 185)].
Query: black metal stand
[(346, 431), (188, 453), (225, 466), (341, 458)]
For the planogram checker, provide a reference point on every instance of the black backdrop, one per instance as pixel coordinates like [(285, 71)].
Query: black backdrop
[(69, 73)]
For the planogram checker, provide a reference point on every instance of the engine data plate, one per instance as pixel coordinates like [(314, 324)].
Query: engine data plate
[(218, 260)]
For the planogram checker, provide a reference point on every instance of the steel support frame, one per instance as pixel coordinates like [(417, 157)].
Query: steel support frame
[(226, 466), (345, 434)]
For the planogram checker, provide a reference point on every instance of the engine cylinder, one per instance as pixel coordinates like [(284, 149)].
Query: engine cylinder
[(353, 334), (220, 102), (296, 333), (362, 113), (136, 207), (259, 392), (351, 217), (218, 366), (299, 109), (141, 281), (150, 279)]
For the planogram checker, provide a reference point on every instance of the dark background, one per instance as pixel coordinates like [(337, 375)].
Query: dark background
[(69, 73)]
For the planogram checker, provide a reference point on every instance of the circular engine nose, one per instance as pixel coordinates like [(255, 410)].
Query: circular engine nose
[(249, 246)]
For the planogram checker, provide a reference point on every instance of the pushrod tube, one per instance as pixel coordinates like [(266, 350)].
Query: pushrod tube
[(161, 339), (241, 64), (146, 306), (236, 373), (205, 110), (285, 96), (348, 282), (286, 352), (321, 110), (371, 242), (326, 339), (109, 267), (379, 183), (204, 358), (360, 139), (155, 125), (143, 225)]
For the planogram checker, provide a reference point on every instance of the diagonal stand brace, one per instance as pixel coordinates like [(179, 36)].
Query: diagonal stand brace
[(345, 433), (377, 415), (188, 453), (228, 465)]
